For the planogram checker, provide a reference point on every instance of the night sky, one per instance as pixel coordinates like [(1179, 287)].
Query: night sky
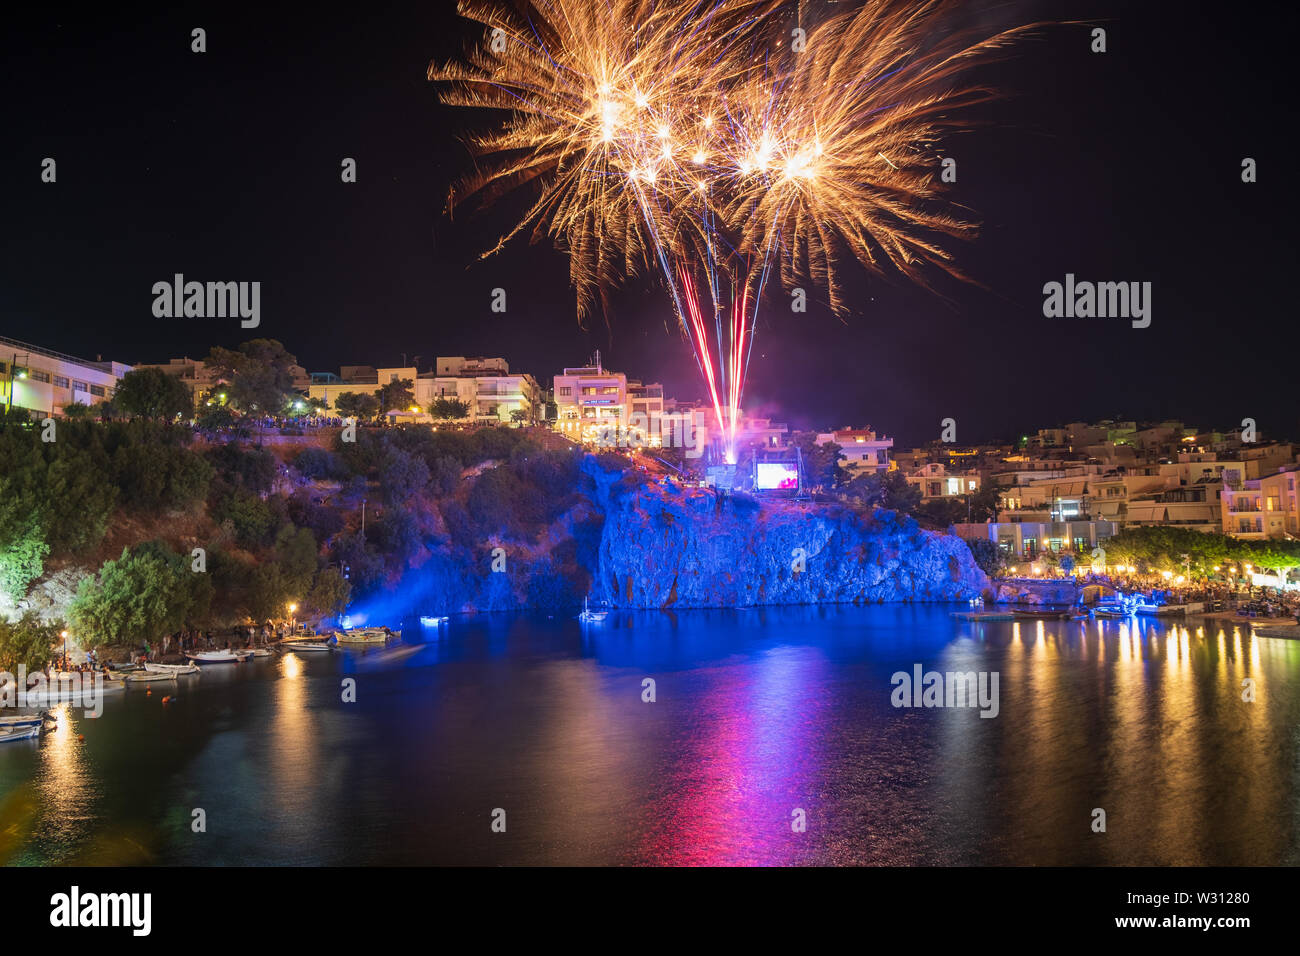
[(1121, 166)]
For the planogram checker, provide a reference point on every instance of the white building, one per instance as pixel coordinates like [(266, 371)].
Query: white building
[(862, 449), (45, 381), (590, 401)]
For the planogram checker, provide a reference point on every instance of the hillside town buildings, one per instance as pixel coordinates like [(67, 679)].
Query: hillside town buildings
[(1064, 488)]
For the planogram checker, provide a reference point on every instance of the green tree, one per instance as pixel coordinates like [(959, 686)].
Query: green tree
[(449, 408), (329, 593), (258, 375), (397, 395), (28, 642), (148, 592), (152, 393), (358, 405), (77, 411)]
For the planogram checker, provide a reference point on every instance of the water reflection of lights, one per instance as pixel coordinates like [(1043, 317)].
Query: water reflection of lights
[(291, 666), (68, 788)]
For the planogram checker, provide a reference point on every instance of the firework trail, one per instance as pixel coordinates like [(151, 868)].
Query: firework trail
[(716, 140)]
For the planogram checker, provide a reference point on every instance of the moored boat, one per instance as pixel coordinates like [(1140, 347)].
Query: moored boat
[(66, 692), (366, 635), (146, 677), (984, 615), (1160, 610), (588, 616), (179, 669), (226, 656), (37, 720), (316, 647), (18, 732), (1039, 614)]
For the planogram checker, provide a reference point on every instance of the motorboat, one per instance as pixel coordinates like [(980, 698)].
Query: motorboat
[(178, 669), (37, 720), (226, 656), (427, 621), (366, 635), (257, 652), (307, 646), (18, 732), (51, 693), (147, 677)]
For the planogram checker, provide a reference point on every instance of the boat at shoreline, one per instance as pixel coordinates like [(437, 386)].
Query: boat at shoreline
[(25, 721), (206, 658), (366, 635), (146, 677), (179, 669), (1039, 614), (49, 694), (316, 647), (17, 732)]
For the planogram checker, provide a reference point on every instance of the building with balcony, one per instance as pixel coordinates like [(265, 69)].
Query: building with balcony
[(1258, 508), (936, 481), (864, 451), (590, 401)]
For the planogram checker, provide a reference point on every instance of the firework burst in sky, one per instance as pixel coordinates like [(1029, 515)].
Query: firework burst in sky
[(717, 140)]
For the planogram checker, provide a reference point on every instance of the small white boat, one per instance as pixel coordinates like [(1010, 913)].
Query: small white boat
[(589, 616), (307, 646), (11, 723), (226, 656), (19, 733), (178, 669), (146, 677), (66, 692), (256, 652), (434, 621)]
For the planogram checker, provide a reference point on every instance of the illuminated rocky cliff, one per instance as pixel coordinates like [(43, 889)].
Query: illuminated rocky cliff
[(669, 547)]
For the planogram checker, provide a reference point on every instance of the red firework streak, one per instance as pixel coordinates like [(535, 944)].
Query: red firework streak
[(731, 362)]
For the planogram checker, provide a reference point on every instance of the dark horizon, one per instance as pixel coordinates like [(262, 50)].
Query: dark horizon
[(224, 166)]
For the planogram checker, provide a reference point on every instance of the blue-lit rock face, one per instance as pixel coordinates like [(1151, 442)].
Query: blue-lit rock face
[(664, 547)]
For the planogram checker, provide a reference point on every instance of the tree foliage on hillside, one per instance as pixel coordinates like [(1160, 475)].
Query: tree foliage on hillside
[(152, 393), (148, 592), (27, 642), (258, 376)]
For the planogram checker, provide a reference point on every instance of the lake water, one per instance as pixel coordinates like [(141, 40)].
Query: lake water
[(757, 713)]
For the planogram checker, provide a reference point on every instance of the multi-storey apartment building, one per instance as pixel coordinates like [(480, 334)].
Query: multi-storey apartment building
[(590, 400), (44, 382)]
